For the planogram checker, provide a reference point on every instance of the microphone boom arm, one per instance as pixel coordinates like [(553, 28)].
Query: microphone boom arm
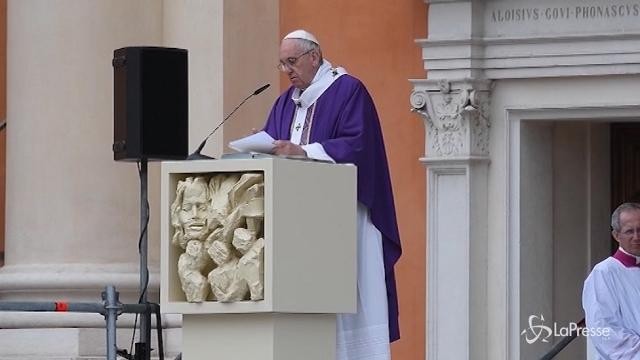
[(196, 154)]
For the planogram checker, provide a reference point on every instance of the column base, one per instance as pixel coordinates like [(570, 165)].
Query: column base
[(73, 335), (74, 282), (75, 343)]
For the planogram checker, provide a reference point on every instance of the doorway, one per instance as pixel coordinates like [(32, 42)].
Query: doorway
[(625, 166), (564, 214)]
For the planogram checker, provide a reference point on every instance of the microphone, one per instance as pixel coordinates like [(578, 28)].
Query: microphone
[(196, 155)]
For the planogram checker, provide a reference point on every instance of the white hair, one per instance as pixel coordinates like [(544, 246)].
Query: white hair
[(615, 217)]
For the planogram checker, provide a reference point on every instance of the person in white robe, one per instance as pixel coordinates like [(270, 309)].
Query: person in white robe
[(611, 295)]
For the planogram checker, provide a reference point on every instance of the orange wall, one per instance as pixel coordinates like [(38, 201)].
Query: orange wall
[(374, 40)]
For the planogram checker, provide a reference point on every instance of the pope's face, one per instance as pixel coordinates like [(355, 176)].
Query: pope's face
[(299, 65), (629, 234), (193, 213)]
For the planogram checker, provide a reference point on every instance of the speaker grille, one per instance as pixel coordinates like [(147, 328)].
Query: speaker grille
[(150, 103)]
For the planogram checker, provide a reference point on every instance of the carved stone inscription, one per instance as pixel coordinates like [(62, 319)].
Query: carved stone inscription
[(218, 225), (578, 12), (564, 17)]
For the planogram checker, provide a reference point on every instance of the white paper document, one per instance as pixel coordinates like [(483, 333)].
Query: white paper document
[(259, 142)]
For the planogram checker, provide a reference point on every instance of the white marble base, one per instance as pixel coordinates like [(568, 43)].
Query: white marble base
[(74, 343), (265, 336)]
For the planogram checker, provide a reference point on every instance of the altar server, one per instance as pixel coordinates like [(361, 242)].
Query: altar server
[(611, 296)]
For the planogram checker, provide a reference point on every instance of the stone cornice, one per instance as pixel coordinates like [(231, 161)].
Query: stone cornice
[(538, 56), (454, 161), (526, 39)]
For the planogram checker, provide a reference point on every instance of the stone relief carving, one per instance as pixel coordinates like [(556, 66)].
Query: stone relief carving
[(456, 118), (190, 211), (250, 265), (219, 186), (218, 221), (225, 280), (478, 109), (191, 264)]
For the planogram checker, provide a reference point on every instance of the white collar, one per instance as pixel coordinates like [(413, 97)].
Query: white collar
[(325, 76)]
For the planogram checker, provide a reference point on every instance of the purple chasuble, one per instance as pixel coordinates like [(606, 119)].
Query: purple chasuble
[(346, 124)]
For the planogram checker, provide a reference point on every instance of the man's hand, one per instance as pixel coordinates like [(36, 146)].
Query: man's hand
[(284, 147)]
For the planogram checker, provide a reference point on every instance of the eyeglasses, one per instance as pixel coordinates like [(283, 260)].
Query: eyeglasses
[(629, 233), (291, 61)]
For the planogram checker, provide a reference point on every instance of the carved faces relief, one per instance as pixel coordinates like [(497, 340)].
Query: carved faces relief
[(207, 216), (194, 248), (194, 210), (243, 239), (219, 252)]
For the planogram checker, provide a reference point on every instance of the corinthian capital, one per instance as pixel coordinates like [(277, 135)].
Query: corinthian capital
[(456, 115)]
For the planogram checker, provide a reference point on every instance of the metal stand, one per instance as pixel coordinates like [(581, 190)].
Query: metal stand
[(143, 348), (110, 308), (110, 297)]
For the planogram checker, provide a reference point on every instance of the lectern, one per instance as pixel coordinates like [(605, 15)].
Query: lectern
[(309, 231)]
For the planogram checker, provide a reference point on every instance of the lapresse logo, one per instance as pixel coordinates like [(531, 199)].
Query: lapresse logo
[(538, 331)]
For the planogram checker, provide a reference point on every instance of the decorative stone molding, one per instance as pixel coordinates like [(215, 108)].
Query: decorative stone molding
[(524, 39), (456, 115)]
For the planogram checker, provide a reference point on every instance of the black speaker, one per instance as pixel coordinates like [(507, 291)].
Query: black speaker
[(150, 99)]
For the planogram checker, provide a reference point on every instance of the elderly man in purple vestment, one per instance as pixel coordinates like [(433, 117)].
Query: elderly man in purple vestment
[(611, 295), (328, 115)]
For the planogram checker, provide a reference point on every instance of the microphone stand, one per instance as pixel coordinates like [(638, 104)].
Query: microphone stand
[(196, 155)]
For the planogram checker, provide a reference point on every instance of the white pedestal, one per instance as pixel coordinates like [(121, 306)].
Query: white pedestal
[(266, 336), (309, 264)]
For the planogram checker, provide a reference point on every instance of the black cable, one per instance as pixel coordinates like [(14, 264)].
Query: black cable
[(146, 280), (159, 330), (135, 324), (142, 233)]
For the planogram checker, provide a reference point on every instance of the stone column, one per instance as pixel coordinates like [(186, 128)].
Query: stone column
[(233, 46), (456, 119), (72, 222), (73, 212)]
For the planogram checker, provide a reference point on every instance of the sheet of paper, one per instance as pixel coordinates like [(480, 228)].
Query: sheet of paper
[(259, 142)]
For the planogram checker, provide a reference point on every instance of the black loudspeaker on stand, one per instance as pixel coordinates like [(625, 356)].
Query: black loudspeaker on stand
[(150, 122), (150, 103)]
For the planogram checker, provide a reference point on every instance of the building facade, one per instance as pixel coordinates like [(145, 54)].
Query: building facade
[(530, 110), (72, 213), (521, 142)]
